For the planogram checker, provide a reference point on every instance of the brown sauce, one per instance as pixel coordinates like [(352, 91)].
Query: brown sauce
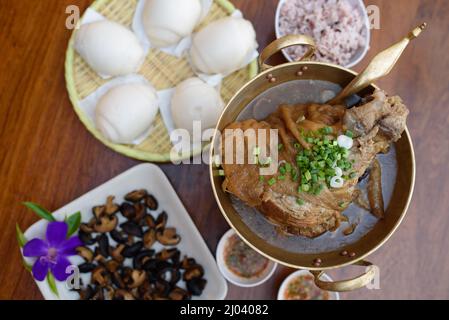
[(242, 260), (303, 288)]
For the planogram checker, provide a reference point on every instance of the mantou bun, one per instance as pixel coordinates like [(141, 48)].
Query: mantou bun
[(195, 100), (109, 48), (126, 112), (223, 46), (166, 22)]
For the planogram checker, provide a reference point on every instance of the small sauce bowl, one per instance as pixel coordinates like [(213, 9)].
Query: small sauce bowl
[(292, 276), (234, 278)]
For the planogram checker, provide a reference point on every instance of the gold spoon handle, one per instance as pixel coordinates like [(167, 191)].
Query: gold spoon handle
[(380, 66)]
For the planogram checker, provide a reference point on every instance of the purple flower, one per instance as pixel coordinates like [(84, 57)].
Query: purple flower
[(52, 253)]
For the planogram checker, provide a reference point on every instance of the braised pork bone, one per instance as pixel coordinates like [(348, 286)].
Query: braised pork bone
[(376, 123)]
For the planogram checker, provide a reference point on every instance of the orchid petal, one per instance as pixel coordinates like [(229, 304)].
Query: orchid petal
[(40, 270), (59, 269), (56, 233), (68, 247), (35, 248)]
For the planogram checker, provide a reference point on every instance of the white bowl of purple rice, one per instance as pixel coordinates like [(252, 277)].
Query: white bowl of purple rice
[(340, 28)]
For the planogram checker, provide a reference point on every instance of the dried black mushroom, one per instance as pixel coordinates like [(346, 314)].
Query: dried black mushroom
[(118, 236), (138, 277), (86, 238), (117, 253), (193, 272), (169, 274), (168, 237), (140, 213), (151, 202), (142, 257), (103, 245), (121, 294), (150, 222), (149, 238), (131, 228), (100, 276), (111, 207), (128, 210), (106, 224), (98, 294), (99, 211), (133, 250), (112, 266), (179, 294), (86, 253), (86, 267), (161, 220), (136, 195), (187, 263), (196, 286), (86, 293), (167, 254)]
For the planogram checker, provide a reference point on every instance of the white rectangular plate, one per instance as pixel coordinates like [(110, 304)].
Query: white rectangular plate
[(151, 178)]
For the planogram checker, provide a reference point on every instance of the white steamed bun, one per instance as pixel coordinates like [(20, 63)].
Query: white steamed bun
[(166, 22), (223, 46), (126, 112), (109, 48), (194, 99)]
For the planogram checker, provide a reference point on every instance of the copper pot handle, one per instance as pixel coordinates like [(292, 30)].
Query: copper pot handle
[(285, 42), (350, 284)]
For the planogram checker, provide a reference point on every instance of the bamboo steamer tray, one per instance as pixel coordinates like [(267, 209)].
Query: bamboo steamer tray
[(160, 69)]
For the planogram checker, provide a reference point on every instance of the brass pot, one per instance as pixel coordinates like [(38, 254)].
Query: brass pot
[(383, 229)]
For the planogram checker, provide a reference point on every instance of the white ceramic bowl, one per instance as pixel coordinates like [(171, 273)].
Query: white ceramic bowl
[(283, 287), (358, 56), (232, 277)]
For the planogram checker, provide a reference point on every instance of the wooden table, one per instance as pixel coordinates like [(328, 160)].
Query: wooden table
[(47, 156)]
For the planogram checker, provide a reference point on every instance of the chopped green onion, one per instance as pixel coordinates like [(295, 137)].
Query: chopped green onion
[(280, 146), (305, 187), (282, 170), (261, 178), (341, 204), (221, 173), (288, 167), (300, 201), (281, 177), (349, 133), (272, 181)]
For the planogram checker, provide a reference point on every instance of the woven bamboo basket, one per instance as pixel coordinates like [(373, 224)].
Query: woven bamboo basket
[(160, 69)]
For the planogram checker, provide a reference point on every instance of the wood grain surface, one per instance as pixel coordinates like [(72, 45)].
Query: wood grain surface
[(47, 156)]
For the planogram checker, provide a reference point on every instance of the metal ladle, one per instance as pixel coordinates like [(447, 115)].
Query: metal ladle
[(380, 66)]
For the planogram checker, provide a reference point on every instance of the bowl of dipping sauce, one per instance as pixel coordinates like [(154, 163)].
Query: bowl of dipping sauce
[(240, 264), (300, 286)]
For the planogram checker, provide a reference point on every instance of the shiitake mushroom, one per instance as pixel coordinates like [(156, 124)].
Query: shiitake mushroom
[(128, 210), (86, 253), (106, 224), (87, 267), (161, 220), (133, 250), (193, 272), (136, 195), (132, 228), (142, 257), (103, 245), (151, 202), (196, 286), (168, 236), (118, 236)]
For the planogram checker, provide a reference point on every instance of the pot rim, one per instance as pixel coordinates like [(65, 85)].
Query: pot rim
[(223, 212)]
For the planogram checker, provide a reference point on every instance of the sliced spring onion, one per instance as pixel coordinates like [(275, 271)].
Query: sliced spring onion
[(221, 173), (272, 181), (281, 177), (300, 201), (337, 182), (338, 171), (261, 178), (345, 142)]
